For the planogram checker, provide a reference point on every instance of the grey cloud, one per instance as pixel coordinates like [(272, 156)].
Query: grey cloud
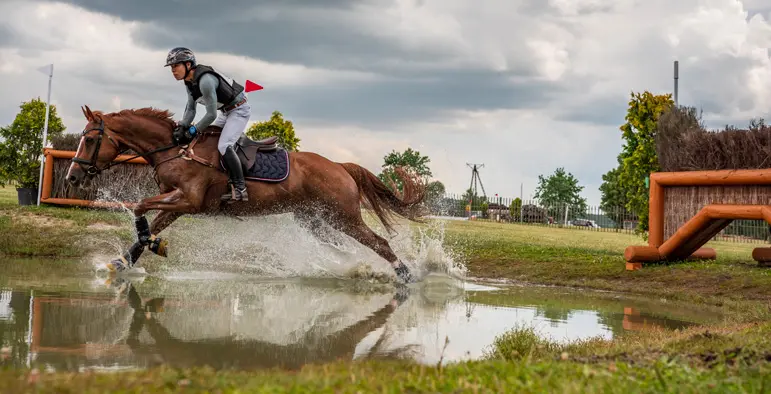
[(324, 34), (304, 32), (328, 34), (154, 10), (8, 38), (394, 101), (605, 110)]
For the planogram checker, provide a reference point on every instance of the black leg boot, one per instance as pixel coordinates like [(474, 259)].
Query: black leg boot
[(236, 173)]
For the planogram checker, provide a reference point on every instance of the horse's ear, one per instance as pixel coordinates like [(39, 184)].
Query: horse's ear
[(90, 115), (86, 114)]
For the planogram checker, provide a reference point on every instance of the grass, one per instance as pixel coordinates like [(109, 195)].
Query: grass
[(520, 376), (595, 260), (732, 355), (51, 231)]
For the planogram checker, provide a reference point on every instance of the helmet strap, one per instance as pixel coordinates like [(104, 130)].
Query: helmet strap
[(187, 70)]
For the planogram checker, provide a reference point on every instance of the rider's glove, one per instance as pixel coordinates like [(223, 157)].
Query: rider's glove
[(184, 134)]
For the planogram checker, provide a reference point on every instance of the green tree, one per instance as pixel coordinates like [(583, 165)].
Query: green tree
[(561, 188), (638, 154), (435, 192), (515, 208), (411, 160), (614, 198), (276, 126), (22, 143)]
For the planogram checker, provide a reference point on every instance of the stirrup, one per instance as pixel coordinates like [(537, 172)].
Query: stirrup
[(235, 195)]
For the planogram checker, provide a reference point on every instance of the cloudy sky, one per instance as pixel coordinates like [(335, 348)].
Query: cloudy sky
[(523, 86)]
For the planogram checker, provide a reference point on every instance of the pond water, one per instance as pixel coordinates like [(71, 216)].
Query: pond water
[(56, 319)]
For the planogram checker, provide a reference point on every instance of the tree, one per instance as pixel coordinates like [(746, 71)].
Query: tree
[(515, 208), (411, 160), (614, 197), (638, 155), (434, 194), (561, 188), (22, 143), (435, 190), (276, 126)]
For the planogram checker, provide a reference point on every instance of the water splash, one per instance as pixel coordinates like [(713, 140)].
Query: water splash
[(277, 246)]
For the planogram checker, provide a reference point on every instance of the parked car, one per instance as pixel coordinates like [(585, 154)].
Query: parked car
[(584, 223)]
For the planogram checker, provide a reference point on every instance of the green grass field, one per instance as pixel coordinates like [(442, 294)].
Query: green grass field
[(595, 259), (732, 356)]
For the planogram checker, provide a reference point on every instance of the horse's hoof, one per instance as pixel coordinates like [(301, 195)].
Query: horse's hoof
[(118, 265), (404, 273), (158, 246)]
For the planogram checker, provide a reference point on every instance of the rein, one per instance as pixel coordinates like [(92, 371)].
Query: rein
[(93, 169)]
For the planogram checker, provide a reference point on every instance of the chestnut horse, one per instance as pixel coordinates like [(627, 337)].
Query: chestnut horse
[(317, 190)]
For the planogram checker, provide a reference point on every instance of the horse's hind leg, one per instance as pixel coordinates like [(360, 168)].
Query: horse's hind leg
[(315, 223), (358, 230)]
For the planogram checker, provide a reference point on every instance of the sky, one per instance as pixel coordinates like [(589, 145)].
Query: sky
[(521, 86)]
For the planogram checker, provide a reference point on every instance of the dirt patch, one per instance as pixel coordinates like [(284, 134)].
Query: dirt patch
[(42, 221), (101, 226)]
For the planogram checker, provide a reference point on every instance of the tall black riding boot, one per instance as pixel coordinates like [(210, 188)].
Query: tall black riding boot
[(236, 173)]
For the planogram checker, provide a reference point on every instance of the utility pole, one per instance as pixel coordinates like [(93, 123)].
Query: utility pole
[(677, 76)]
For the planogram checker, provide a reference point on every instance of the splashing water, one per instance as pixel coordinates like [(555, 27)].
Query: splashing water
[(278, 246)]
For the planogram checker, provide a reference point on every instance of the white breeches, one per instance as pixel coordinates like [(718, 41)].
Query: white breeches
[(233, 125)]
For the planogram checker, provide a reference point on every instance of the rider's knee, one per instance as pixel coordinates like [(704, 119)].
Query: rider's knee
[(222, 147)]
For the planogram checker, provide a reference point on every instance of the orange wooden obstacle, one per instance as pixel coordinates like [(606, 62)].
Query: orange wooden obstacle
[(686, 242), (48, 179)]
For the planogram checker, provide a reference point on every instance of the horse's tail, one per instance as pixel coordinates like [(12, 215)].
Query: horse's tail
[(379, 196)]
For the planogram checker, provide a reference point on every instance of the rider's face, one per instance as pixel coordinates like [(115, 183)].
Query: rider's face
[(178, 70)]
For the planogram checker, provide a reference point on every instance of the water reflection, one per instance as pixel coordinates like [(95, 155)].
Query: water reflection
[(251, 323), (234, 351)]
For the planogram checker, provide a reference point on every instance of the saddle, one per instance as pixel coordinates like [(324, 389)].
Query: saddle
[(261, 160), (247, 149)]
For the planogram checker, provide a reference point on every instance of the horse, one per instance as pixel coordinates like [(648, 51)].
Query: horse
[(191, 178)]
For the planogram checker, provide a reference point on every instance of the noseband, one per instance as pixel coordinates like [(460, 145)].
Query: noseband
[(90, 164)]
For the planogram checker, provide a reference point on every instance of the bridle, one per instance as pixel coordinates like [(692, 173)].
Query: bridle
[(91, 167)]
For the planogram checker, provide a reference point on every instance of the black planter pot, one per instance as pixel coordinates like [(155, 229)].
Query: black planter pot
[(27, 195)]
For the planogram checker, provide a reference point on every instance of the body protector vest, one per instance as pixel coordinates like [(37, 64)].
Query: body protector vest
[(227, 89)]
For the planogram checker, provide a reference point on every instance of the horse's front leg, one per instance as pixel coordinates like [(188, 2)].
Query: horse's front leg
[(174, 204), (155, 244), (173, 201)]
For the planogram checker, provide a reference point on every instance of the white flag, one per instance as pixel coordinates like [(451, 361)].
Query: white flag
[(47, 69)]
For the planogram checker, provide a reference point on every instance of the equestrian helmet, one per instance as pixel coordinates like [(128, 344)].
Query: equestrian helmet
[(180, 55)]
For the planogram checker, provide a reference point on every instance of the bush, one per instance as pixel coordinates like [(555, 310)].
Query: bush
[(22, 144), (66, 142)]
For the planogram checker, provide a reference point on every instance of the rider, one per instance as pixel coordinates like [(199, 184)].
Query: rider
[(215, 91)]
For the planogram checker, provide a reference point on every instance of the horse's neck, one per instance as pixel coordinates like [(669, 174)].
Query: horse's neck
[(143, 141)]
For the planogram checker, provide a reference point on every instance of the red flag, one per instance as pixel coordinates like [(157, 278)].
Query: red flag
[(251, 86)]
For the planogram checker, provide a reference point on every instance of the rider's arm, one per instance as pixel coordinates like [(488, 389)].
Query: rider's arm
[(208, 85), (189, 116)]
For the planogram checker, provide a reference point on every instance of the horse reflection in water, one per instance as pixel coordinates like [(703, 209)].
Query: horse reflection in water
[(249, 353)]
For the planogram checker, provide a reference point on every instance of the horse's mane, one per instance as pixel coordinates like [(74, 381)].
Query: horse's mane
[(147, 112)]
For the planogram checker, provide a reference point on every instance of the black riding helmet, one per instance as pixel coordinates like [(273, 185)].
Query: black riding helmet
[(181, 55)]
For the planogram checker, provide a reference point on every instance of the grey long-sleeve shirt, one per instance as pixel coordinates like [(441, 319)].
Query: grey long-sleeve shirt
[(208, 85)]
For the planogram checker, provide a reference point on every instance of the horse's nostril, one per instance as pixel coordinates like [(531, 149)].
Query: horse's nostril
[(73, 179)]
